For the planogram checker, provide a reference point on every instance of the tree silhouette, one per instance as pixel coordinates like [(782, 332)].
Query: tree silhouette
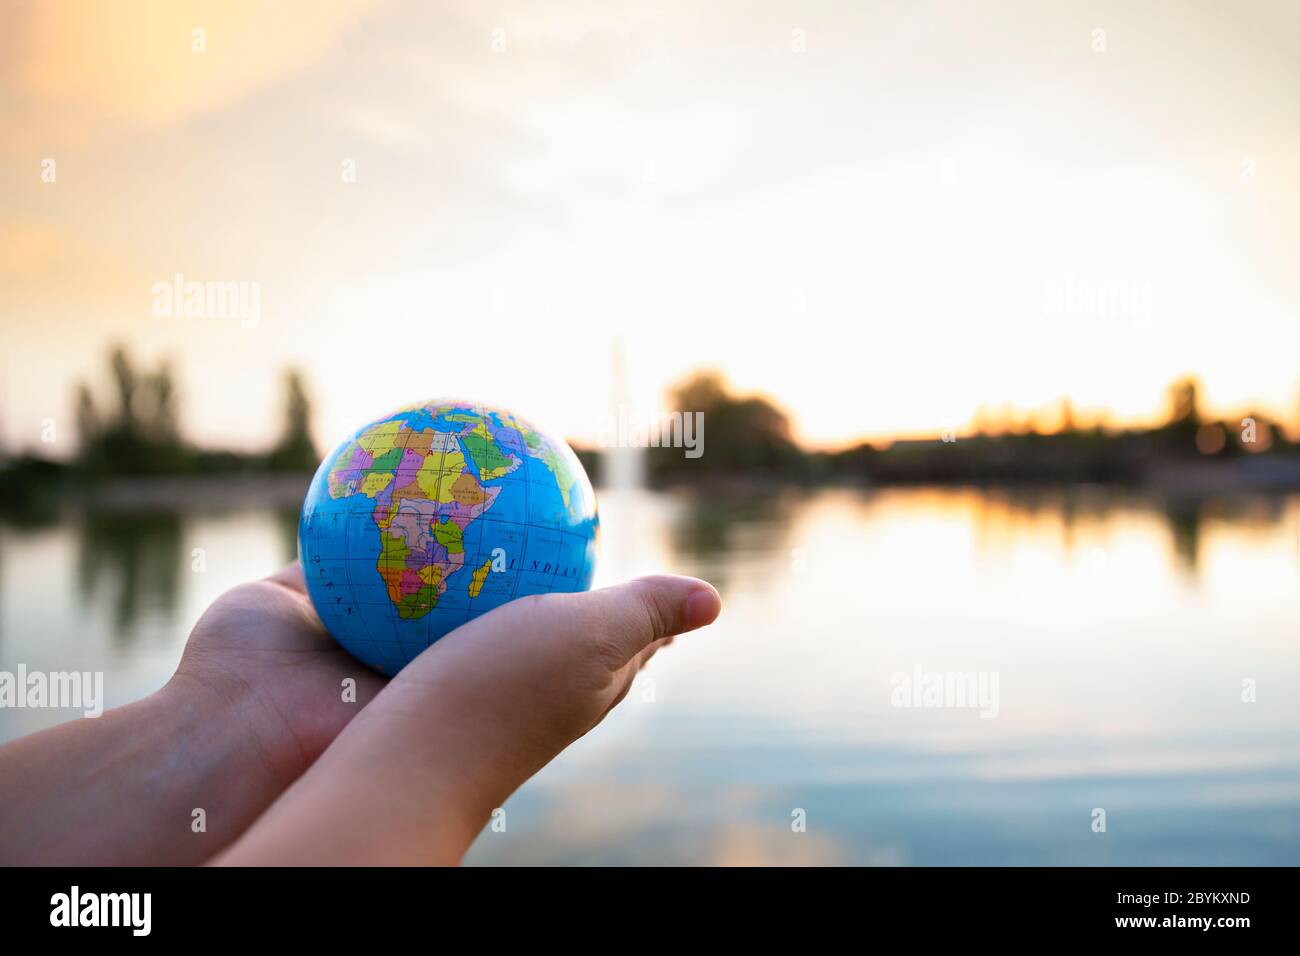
[(1178, 435), (295, 451), (139, 434), (741, 434)]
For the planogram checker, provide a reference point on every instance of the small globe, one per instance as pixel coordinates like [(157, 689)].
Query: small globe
[(435, 514)]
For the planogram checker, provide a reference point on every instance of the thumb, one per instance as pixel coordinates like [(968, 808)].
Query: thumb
[(619, 623)]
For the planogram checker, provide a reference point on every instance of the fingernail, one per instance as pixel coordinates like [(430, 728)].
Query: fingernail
[(702, 607)]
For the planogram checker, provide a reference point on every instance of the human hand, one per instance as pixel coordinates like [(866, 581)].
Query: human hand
[(416, 775), (257, 696), (262, 651)]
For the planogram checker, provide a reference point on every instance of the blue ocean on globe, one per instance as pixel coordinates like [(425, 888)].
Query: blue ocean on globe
[(435, 514)]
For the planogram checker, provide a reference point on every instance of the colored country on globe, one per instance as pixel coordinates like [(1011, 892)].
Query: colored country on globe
[(436, 514)]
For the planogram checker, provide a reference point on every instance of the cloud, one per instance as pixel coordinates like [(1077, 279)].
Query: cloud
[(98, 64)]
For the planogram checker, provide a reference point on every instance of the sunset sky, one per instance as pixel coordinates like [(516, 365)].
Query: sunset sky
[(883, 215)]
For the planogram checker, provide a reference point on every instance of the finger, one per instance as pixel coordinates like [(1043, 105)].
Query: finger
[(629, 618), (291, 577), (635, 668), (643, 658)]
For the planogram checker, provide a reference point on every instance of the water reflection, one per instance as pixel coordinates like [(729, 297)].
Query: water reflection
[(128, 560), (131, 561), (286, 520), (1122, 627), (745, 532)]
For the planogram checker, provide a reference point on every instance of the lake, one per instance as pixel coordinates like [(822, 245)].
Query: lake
[(899, 676)]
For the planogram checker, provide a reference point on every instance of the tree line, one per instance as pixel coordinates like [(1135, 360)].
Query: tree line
[(133, 427)]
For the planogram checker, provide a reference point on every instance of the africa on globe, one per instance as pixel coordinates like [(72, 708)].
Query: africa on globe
[(430, 516)]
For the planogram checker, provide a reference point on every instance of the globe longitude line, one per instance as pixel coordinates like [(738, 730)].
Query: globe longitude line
[(393, 646), (403, 443), (437, 478), (347, 564), (526, 522), (439, 474), (481, 414), (442, 473)]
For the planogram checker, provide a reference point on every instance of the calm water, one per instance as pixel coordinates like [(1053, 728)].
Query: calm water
[(1120, 630)]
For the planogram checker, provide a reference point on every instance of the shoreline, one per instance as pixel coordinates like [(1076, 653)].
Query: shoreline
[(224, 492)]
